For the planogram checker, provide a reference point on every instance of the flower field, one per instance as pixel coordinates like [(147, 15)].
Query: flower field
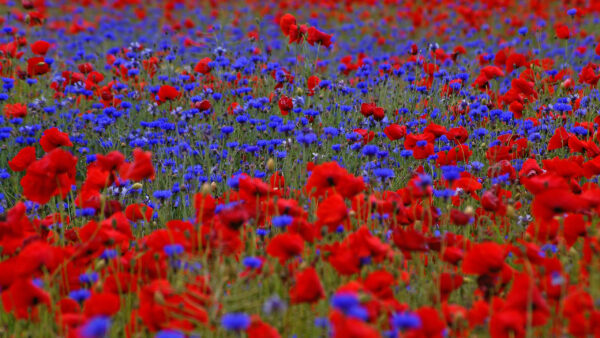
[(299, 168)]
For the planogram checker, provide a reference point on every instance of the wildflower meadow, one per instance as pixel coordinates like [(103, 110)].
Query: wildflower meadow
[(290, 168)]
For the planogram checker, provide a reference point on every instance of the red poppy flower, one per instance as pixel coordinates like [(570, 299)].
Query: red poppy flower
[(52, 175), (140, 169), (286, 23), (312, 82), (530, 168), (588, 75), (40, 47), (54, 138), (332, 211), (574, 227), (95, 77), (285, 246), (410, 240), (394, 131), (458, 134), (555, 202), (380, 283), (508, 323), (410, 142), (101, 304), (329, 176), (234, 216), (23, 159), (500, 168), (316, 36), (307, 287), (15, 110), (448, 283), (421, 152), (524, 295), (492, 72), (111, 161), (344, 259), (85, 68), (431, 323), (378, 114), (205, 207), (203, 67), (285, 105), (484, 258), (167, 93), (492, 202), (277, 181), (435, 129), (367, 136), (460, 218), (22, 298), (515, 60), (260, 329), (203, 105), (138, 211), (366, 109), (562, 31), (346, 326), (37, 66), (559, 139)]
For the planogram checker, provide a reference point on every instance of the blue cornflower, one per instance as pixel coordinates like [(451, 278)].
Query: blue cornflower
[(358, 312), (162, 194), (88, 278), (109, 254), (424, 181), (535, 137), (282, 221), (579, 130), (235, 321), (80, 295), (500, 179), (262, 232), (523, 30), (322, 322), (274, 304), (406, 320), (370, 150), (227, 130), (383, 173), (477, 165), (173, 249), (85, 212), (450, 172), (96, 327), (344, 301), (252, 262), (306, 139), (169, 334)]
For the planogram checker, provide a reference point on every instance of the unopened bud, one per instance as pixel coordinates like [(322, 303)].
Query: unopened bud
[(270, 164), (205, 189), (100, 264), (159, 298), (510, 211)]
